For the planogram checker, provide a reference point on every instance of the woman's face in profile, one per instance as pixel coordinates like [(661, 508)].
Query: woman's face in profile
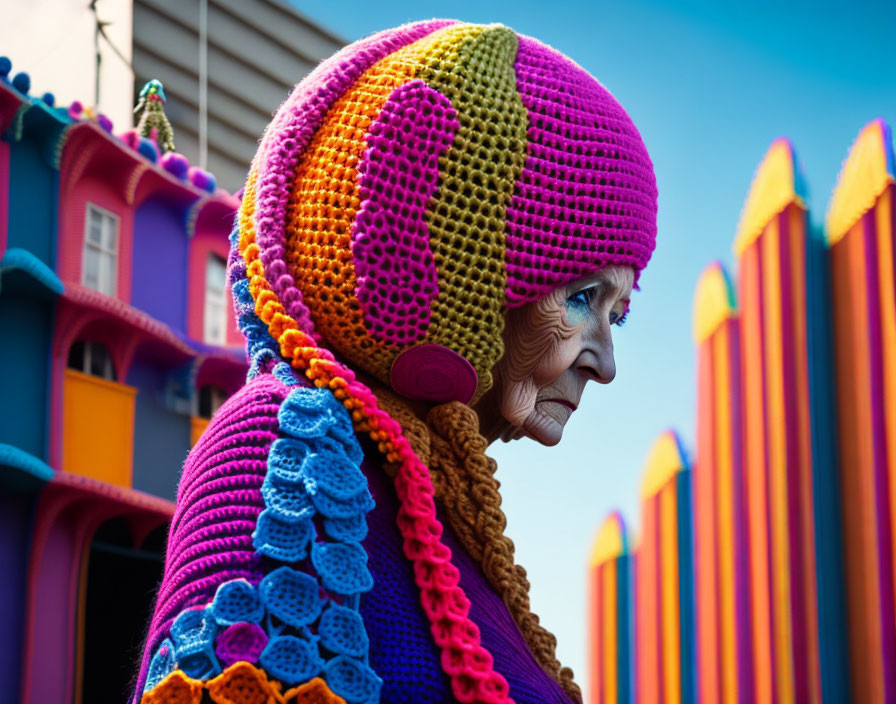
[(553, 347)]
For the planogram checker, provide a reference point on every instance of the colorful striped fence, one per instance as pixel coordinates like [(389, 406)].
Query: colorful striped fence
[(664, 579), (609, 576), (779, 583), (771, 250), (720, 508)]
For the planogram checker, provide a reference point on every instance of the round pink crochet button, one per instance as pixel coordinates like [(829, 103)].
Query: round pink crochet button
[(433, 373)]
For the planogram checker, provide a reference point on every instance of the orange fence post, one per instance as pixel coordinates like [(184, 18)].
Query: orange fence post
[(721, 549), (610, 629), (665, 590), (860, 237)]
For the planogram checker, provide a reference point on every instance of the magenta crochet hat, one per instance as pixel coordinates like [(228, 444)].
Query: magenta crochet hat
[(425, 179)]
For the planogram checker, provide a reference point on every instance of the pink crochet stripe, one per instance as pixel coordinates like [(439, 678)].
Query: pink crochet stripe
[(398, 177), (586, 198), (288, 136)]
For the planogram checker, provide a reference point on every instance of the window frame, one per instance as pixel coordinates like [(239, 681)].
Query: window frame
[(89, 347), (104, 287), (219, 305), (217, 397)]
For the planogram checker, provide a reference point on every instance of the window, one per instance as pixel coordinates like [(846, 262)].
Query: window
[(99, 265), (215, 316), (91, 358), (211, 398)]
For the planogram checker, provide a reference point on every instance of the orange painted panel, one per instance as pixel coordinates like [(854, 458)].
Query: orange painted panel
[(724, 501), (670, 598), (886, 259), (856, 463), (98, 428), (197, 428), (705, 536), (648, 611), (595, 629), (777, 460), (609, 633), (755, 469), (805, 596)]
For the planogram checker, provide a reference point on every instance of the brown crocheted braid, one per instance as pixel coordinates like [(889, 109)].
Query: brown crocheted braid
[(465, 486)]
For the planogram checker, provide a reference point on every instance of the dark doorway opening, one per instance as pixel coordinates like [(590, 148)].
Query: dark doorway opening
[(121, 583)]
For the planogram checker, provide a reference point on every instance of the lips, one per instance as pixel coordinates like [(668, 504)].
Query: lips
[(562, 401)]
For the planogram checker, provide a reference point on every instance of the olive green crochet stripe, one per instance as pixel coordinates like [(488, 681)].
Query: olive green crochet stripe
[(477, 177)]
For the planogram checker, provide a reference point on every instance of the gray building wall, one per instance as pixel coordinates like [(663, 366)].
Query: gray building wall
[(257, 50)]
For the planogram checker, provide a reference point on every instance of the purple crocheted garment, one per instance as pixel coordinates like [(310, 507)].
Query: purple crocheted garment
[(210, 543)]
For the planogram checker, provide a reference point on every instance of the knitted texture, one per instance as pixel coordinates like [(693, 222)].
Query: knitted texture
[(308, 606), (586, 198), (426, 178), (468, 493), (398, 176), (401, 647)]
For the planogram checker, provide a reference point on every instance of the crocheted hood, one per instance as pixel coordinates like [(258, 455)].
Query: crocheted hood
[(424, 179)]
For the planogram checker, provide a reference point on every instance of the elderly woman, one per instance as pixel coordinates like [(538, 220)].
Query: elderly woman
[(440, 228)]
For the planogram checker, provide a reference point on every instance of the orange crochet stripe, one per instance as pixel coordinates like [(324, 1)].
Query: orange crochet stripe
[(241, 683)]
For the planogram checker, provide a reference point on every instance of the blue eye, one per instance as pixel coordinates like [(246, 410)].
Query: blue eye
[(578, 305), (618, 320), (582, 298)]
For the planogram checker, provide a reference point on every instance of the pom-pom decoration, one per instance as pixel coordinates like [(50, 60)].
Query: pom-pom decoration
[(202, 179), (175, 164), (104, 122), (148, 149), (22, 83)]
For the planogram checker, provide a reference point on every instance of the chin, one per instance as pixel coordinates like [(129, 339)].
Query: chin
[(543, 429)]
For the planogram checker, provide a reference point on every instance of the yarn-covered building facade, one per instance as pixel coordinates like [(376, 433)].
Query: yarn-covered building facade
[(118, 345), (764, 570)]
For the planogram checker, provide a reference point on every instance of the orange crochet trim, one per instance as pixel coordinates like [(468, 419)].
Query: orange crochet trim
[(313, 692), (176, 688), (241, 683)]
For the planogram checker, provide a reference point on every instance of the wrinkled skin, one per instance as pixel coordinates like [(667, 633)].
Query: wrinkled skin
[(553, 348)]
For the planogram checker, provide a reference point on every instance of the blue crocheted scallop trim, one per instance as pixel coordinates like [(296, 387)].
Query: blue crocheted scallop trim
[(315, 516)]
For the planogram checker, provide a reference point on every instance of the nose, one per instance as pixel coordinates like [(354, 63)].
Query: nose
[(597, 361)]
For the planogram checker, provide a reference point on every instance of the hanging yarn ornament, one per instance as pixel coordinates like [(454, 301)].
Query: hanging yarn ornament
[(153, 121)]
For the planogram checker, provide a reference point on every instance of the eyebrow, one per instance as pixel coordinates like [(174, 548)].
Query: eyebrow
[(612, 286)]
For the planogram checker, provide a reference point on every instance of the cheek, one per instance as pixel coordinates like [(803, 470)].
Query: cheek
[(518, 400), (540, 344), (556, 360)]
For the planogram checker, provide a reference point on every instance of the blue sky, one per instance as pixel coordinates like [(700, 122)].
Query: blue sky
[(710, 85)]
